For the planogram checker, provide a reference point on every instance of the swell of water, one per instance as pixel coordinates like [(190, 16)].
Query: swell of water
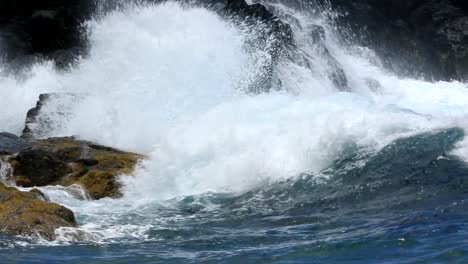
[(171, 81)]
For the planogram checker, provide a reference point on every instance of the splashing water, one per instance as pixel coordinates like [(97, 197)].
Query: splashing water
[(5, 171), (169, 81)]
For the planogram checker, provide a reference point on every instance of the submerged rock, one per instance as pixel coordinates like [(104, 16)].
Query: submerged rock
[(28, 214), (68, 161)]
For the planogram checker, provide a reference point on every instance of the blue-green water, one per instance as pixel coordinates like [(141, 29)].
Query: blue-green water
[(406, 204), (300, 173)]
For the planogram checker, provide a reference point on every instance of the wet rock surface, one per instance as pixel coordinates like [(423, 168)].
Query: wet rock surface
[(28, 214), (43, 118), (335, 69), (55, 161), (68, 161), (273, 36)]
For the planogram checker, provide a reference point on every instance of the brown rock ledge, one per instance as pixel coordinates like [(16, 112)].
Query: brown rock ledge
[(29, 214), (67, 161)]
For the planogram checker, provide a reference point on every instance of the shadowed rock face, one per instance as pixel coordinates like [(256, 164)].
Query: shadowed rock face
[(28, 214), (51, 29), (428, 38), (414, 37), (272, 35), (46, 28)]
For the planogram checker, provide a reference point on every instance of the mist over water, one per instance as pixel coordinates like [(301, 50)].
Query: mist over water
[(172, 82)]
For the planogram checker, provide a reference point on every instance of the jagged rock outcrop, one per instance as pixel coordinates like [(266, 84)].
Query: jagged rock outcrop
[(68, 161), (29, 162), (29, 214), (57, 107), (63, 161)]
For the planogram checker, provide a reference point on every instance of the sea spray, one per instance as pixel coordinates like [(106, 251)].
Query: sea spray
[(6, 172), (167, 81)]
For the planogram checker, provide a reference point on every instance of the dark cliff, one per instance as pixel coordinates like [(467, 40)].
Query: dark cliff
[(426, 38)]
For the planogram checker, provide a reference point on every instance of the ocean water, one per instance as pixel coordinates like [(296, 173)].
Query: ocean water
[(304, 173)]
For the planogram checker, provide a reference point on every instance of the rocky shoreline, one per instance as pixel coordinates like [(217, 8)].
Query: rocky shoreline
[(34, 160), (65, 161)]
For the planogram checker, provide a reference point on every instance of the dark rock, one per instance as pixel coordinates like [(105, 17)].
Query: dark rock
[(275, 38), (52, 29), (10, 144), (272, 36), (38, 167), (280, 31), (427, 38), (326, 61), (40, 124), (335, 70), (68, 161), (28, 214), (32, 118), (43, 28), (316, 39)]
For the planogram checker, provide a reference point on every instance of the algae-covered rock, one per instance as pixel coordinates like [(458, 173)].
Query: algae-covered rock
[(67, 161), (37, 167), (28, 214)]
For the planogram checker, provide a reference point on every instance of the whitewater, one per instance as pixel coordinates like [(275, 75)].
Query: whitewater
[(172, 82)]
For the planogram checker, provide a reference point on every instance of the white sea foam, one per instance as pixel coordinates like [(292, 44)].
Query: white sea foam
[(167, 81)]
